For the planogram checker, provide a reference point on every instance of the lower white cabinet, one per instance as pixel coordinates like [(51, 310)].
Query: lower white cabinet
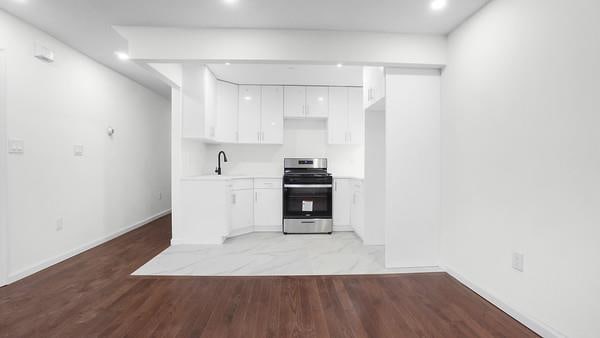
[(348, 205), (342, 202), (357, 213), (268, 208), (242, 211)]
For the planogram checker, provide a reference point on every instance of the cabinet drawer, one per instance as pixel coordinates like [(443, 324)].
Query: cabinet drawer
[(267, 183), (242, 183)]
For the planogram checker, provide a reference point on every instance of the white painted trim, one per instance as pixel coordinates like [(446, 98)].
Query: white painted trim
[(3, 175), (344, 228), (241, 231), (268, 228), (525, 319), (49, 262)]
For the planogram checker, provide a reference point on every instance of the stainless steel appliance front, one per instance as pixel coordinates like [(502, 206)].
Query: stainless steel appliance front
[(306, 226), (307, 196)]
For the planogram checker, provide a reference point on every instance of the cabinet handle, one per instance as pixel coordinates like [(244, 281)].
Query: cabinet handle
[(335, 188), (258, 135), (233, 199), (256, 196)]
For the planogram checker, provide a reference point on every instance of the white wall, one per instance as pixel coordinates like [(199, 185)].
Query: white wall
[(52, 107), (374, 185), (301, 138), (412, 175), (3, 177), (289, 46), (521, 158)]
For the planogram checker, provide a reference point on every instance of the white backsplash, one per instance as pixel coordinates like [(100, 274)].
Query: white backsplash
[(302, 138)]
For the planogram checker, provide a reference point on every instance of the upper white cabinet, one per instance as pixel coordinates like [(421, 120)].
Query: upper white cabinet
[(346, 116), (356, 117), (295, 101), (249, 114), (210, 104), (373, 86), (306, 102), (260, 118), (199, 102), (317, 102), (227, 112), (271, 120)]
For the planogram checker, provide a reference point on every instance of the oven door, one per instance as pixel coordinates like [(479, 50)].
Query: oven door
[(307, 201)]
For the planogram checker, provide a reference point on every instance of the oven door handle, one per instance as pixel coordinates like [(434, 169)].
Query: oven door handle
[(307, 186)]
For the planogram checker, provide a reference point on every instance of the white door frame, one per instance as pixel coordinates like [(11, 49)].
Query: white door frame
[(3, 175)]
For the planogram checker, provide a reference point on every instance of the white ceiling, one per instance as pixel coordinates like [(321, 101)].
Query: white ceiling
[(283, 74), (87, 24)]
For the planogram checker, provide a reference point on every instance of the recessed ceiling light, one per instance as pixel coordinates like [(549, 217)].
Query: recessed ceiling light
[(438, 5), (122, 55), (339, 65), (247, 98), (230, 2), (227, 64)]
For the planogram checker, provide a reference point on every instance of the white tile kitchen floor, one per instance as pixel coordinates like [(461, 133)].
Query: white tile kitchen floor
[(274, 254)]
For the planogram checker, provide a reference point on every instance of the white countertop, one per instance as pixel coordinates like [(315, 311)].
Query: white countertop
[(225, 177), (237, 177)]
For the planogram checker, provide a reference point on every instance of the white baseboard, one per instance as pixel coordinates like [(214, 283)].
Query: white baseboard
[(241, 231), (268, 228), (215, 241), (54, 260), (532, 323), (343, 228)]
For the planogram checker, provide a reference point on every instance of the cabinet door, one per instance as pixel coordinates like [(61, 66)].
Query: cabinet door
[(268, 207), (227, 111), (249, 114), (242, 210), (357, 210), (295, 101), (373, 85), (317, 102), (272, 115), (356, 117), (337, 124), (342, 201), (210, 104)]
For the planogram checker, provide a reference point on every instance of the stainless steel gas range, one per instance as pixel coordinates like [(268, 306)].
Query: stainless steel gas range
[(307, 196)]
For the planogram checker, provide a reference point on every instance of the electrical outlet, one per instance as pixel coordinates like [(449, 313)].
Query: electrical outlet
[(518, 261), (59, 224), (16, 146), (78, 150)]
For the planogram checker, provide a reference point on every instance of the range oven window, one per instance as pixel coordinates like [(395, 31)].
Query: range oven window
[(308, 200)]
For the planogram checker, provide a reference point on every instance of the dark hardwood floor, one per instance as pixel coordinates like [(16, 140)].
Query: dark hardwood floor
[(93, 294)]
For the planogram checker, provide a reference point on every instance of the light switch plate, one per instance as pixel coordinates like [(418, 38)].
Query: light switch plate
[(78, 150), (518, 261), (16, 146)]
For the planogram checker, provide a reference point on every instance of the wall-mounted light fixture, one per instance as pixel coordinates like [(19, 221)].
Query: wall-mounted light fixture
[(110, 131)]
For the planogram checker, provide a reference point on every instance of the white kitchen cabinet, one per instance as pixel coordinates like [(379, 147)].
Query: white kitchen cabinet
[(210, 104), (227, 112), (294, 102), (342, 202), (357, 209), (249, 114), (373, 86), (317, 102), (198, 103), (346, 116), (356, 117), (268, 207), (271, 120), (242, 211)]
